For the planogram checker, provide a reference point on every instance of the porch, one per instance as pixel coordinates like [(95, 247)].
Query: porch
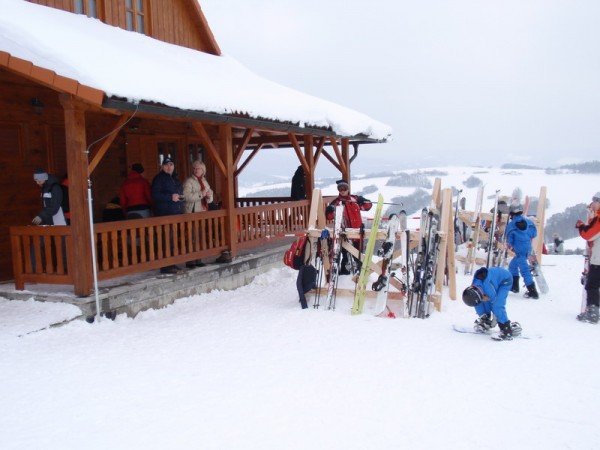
[(45, 255)]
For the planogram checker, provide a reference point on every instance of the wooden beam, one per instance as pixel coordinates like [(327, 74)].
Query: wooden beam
[(309, 177), (248, 159), (319, 149), (331, 160), (228, 188), (99, 154), (242, 146), (298, 151), (338, 154), (346, 158), (210, 147), (80, 265)]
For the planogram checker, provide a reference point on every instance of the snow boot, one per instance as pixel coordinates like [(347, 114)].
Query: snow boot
[(515, 286), (506, 331), (590, 314), (532, 292), (484, 323)]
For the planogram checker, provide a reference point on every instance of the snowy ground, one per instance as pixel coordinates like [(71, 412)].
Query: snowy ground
[(249, 369)]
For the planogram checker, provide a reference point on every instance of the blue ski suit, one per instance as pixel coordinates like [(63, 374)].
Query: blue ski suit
[(496, 286), (519, 233)]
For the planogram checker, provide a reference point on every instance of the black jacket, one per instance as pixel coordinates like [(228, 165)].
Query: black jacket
[(52, 196), (163, 188)]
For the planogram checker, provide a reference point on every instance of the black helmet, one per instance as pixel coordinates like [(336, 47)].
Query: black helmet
[(472, 296)]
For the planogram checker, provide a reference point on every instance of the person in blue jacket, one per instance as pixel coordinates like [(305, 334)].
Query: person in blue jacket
[(519, 233), (167, 196), (487, 294)]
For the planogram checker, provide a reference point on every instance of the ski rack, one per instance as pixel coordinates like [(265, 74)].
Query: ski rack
[(466, 217), (442, 205)]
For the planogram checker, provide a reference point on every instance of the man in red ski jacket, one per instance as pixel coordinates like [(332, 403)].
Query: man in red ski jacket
[(353, 205), (591, 233), (135, 195)]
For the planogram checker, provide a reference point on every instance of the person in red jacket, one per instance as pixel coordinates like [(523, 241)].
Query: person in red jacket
[(590, 231), (353, 205), (135, 194)]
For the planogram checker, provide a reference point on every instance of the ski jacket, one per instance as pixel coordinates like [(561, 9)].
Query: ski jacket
[(195, 200), (298, 189), (496, 277), (519, 233), (52, 195), (163, 188), (591, 233), (135, 193), (353, 205)]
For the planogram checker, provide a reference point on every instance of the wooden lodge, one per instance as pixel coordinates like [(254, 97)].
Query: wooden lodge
[(54, 120)]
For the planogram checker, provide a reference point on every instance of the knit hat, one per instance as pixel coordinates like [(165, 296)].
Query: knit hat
[(137, 167), (596, 197), (40, 175), (167, 160), (342, 184)]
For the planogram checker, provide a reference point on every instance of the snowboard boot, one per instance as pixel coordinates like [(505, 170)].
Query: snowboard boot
[(484, 323), (515, 286), (590, 314), (506, 331), (532, 292)]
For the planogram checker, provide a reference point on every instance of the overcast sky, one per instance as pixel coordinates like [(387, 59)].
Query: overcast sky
[(480, 81)]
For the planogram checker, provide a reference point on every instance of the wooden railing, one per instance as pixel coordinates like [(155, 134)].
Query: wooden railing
[(44, 254), (41, 255), (134, 246), (259, 224), (244, 202)]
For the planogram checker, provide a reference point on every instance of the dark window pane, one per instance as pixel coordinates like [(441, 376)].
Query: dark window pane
[(140, 6), (92, 8), (78, 6), (140, 23), (129, 4), (129, 20)]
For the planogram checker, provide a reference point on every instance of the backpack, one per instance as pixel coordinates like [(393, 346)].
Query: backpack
[(352, 213), (294, 256)]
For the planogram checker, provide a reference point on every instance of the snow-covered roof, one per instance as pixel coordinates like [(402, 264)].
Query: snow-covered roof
[(138, 68)]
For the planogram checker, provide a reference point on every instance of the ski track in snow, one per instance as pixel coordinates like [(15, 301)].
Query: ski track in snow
[(249, 369)]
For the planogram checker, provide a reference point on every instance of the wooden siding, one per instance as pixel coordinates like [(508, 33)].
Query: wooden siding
[(178, 22)]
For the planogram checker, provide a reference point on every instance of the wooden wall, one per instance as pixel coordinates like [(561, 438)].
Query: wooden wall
[(173, 21)]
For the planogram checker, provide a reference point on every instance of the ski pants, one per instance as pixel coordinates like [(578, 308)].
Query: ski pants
[(520, 263), (592, 285), (496, 306)]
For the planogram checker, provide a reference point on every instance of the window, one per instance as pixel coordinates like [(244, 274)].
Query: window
[(134, 15), (195, 152), (87, 7)]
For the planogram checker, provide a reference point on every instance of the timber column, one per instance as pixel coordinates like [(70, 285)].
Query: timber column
[(309, 179), (228, 186), (346, 175), (80, 258)]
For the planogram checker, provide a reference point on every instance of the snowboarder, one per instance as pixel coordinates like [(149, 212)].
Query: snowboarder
[(591, 233), (353, 205), (487, 294), (519, 233), (558, 244)]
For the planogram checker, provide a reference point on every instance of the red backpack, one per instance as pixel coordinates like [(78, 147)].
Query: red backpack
[(294, 256)]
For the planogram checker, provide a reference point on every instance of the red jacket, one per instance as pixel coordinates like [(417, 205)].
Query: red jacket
[(591, 233), (135, 192), (354, 204)]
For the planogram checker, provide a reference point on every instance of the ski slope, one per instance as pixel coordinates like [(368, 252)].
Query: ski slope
[(248, 369)]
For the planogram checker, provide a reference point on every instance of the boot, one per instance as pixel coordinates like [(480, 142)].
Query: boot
[(590, 314), (532, 292), (506, 332), (515, 286), (484, 323)]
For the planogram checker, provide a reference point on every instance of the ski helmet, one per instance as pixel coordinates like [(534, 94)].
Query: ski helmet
[(516, 209), (472, 296)]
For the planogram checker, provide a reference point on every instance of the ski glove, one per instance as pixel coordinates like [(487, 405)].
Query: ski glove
[(37, 220)]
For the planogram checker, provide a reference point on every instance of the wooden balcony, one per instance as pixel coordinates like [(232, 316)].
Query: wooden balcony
[(44, 254)]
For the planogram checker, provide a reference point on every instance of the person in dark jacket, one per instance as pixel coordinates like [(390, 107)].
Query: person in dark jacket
[(135, 195), (167, 195), (167, 191), (298, 185), (52, 196)]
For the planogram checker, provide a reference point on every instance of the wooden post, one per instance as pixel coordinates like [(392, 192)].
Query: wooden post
[(541, 218), (446, 211), (435, 194), (346, 175), (77, 169), (309, 179), (228, 186), (451, 252)]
